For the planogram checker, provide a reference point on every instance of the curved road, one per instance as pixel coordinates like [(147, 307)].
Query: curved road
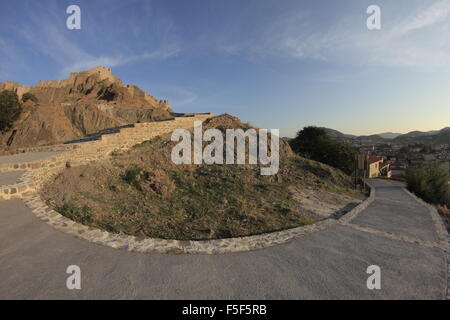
[(330, 264)]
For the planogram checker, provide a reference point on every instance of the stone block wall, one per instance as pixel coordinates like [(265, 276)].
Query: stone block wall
[(23, 188), (101, 149)]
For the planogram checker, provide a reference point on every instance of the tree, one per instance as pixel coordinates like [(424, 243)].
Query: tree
[(315, 143), (405, 149), (10, 109), (29, 96), (430, 182), (427, 149)]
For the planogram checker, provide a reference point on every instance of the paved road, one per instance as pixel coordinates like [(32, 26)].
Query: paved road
[(10, 177), (28, 157), (330, 264)]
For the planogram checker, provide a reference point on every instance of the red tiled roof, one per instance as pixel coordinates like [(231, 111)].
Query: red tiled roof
[(373, 159), (383, 165)]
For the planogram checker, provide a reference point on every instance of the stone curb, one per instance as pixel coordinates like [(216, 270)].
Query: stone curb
[(442, 234), (23, 188), (150, 245), (101, 149), (29, 166), (51, 148), (348, 217)]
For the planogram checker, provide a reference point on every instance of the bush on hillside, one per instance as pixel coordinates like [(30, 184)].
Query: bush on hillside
[(430, 182), (29, 96), (10, 109), (314, 143)]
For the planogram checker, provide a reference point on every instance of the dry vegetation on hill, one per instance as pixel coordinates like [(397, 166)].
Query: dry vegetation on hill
[(141, 192)]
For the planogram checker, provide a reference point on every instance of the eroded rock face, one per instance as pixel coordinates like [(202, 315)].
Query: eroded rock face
[(88, 102)]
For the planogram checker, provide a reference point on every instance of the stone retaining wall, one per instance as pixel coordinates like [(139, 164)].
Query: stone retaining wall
[(55, 147), (126, 138), (82, 153), (219, 246), (23, 188), (101, 149)]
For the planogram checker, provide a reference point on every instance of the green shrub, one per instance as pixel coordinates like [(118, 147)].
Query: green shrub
[(10, 109), (430, 182), (131, 176), (29, 96), (81, 215), (315, 143)]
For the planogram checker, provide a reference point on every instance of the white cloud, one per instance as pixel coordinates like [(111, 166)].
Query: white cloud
[(419, 40), (45, 34), (178, 96), (87, 61), (435, 13)]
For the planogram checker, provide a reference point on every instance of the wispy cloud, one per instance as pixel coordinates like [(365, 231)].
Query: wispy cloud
[(45, 33), (426, 17), (419, 40), (178, 96), (87, 61)]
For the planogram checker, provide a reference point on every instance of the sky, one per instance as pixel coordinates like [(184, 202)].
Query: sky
[(278, 64)]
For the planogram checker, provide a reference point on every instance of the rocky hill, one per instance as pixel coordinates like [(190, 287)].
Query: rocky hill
[(87, 102)]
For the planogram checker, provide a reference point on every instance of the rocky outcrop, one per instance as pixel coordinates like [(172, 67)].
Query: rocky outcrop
[(87, 102)]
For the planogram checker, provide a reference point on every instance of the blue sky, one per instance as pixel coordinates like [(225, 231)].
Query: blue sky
[(275, 63)]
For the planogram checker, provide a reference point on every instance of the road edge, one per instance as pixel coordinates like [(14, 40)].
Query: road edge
[(152, 245), (443, 235)]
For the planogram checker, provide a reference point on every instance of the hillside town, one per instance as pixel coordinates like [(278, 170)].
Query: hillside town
[(391, 159)]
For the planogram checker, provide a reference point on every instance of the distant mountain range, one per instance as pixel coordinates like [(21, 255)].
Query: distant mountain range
[(434, 137), (389, 135)]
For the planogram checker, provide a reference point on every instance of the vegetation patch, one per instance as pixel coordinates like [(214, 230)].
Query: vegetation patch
[(316, 144), (142, 193), (10, 109), (29, 96), (444, 211), (430, 182)]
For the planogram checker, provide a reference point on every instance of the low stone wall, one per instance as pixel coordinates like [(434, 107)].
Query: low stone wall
[(22, 189), (51, 148), (100, 149), (82, 153), (130, 243), (49, 163), (348, 217), (127, 137)]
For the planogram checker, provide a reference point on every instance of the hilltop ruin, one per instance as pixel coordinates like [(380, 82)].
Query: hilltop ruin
[(88, 102)]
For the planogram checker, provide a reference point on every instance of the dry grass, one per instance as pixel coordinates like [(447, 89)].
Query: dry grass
[(142, 193)]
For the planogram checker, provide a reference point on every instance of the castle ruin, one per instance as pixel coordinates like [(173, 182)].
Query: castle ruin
[(101, 74)]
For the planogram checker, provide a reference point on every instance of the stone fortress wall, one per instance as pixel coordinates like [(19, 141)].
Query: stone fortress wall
[(103, 73), (83, 153)]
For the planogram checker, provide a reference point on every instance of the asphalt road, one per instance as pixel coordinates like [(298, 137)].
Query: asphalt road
[(330, 264)]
